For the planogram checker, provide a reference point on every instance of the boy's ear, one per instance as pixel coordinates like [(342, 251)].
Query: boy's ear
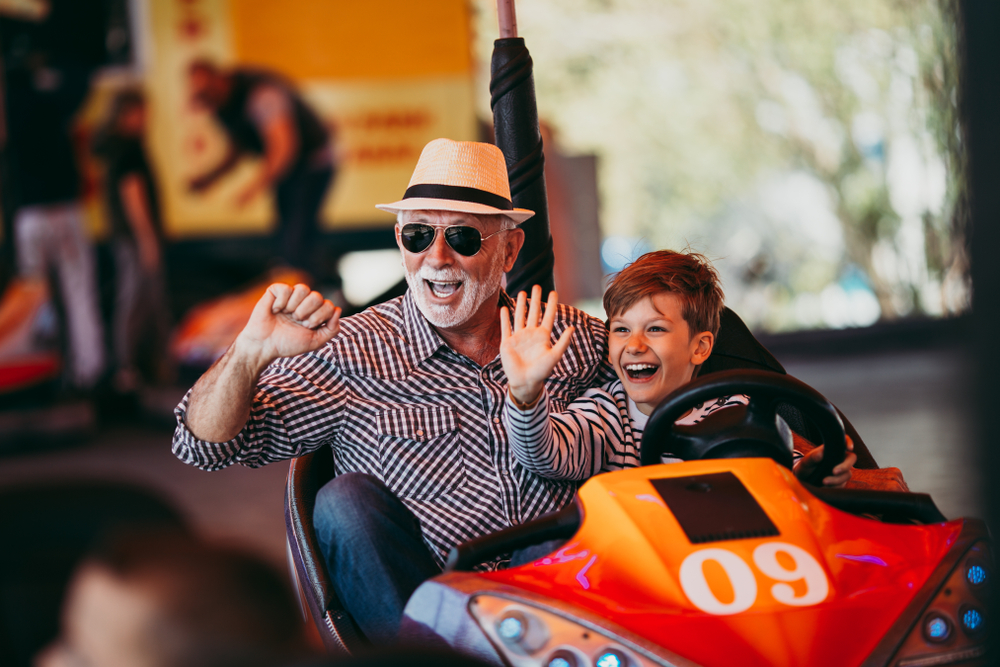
[(701, 347)]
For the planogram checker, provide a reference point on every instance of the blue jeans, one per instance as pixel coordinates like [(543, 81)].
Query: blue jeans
[(375, 554), (374, 551)]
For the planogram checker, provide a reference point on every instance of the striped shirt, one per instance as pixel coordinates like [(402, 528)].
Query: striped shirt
[(392, 400), (598, 432)]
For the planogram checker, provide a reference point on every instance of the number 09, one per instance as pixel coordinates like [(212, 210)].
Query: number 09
[(744, 583)]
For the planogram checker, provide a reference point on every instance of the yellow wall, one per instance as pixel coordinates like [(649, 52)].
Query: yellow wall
[(388, 39), (386, 76)]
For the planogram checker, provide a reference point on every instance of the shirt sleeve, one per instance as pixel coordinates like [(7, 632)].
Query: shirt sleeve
[(266, 103), (295, 411), (566, 445)]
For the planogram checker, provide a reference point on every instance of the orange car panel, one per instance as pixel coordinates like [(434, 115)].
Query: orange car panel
[(777, 600)]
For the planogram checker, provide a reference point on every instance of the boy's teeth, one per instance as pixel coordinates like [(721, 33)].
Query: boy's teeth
[(638, 371)]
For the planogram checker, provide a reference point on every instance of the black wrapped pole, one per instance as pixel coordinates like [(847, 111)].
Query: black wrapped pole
[(515, 122)]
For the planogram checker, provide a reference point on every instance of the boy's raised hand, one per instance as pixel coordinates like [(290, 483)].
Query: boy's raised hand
[(526, 352)]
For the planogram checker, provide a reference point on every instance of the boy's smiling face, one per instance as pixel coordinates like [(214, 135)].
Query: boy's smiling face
[(653, 350)]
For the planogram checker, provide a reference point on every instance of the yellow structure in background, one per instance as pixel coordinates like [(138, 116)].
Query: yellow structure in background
[(387, 77), (389, 39)]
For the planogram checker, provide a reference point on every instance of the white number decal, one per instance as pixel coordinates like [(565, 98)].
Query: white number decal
[(744, 583), (696, 586), (806, 568)]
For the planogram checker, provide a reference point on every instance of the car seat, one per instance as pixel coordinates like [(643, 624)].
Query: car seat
[(736, 348), (306, 476)]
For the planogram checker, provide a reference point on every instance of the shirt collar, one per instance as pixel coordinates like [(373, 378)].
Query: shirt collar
[(423, 338), (638, 418)]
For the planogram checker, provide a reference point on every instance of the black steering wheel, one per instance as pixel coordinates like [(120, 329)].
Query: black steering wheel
[(753, 430)]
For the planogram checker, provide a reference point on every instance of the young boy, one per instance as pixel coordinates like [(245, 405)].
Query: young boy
[(663, 312)]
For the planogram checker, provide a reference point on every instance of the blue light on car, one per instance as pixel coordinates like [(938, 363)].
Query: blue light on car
[(972, 620), (562, 658), (610, 659), (976, 575), (511, 629), (937, 628)]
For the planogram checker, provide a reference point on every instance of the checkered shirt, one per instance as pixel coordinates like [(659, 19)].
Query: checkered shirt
[(392, 400)]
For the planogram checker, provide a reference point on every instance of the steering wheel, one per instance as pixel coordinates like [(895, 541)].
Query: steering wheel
[(753, 430)]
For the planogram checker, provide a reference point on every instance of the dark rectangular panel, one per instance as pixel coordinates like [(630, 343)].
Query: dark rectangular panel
[(716, 507)]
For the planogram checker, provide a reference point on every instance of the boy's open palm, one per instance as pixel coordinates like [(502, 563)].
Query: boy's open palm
[(527, 353), (288, 321)]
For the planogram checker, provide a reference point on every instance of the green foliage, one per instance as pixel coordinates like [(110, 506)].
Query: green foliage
[(731, 125)]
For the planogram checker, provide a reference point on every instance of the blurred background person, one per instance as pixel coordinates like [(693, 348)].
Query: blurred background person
[(42, 100), (166, 600), (141, 316), (264, 116)]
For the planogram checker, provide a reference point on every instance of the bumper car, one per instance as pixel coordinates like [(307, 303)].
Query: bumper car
[(29, 358), (724, 559), (204, 334)]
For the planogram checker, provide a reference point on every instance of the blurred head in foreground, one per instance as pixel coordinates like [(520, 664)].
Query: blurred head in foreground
[(168, 601)]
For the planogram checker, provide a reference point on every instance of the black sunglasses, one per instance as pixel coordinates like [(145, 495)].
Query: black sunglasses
[(417, 237)]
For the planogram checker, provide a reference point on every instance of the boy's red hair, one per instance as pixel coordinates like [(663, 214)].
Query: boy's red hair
[(689, 275)]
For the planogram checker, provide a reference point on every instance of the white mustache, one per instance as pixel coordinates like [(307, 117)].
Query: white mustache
[(442, 275)]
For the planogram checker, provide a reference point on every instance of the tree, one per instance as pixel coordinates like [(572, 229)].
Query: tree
[(808, 146)]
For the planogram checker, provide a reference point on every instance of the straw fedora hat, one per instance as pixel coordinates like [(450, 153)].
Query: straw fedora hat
[(460, 176)]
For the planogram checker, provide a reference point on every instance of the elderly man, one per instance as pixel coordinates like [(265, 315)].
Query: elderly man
[(407, 394)]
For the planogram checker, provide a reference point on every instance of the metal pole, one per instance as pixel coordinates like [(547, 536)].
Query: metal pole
[(515, 123), (508, 18)]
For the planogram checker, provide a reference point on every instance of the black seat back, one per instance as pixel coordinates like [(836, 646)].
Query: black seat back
[(737, 348), (306, 476)]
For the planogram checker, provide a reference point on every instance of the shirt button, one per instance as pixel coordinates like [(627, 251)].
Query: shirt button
[(420, 433), (496, 420)]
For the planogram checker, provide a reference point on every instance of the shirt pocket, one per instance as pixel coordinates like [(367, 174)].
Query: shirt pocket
[(421, 452)]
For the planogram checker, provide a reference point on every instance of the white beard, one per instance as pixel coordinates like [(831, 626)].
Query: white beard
[(474, 293)]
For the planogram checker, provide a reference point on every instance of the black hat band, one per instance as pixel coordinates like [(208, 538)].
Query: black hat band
[(458, 193)]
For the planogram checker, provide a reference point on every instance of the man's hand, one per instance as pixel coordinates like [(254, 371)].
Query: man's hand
[(285, 322), (841, 473), (527, 354), (288, 321)]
